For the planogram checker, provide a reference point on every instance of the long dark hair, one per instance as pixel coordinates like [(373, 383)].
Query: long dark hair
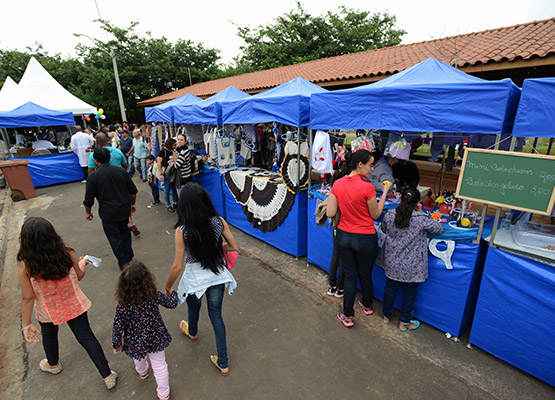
[(409, 199), (43, 251), (195, 212), (136, 285)]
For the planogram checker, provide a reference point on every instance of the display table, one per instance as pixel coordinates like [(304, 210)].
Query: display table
[(262, 207), (54, 168), (447, 299), (212, 182), (514, 313)]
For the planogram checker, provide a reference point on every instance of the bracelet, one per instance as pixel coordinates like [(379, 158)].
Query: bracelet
[(25, 327)]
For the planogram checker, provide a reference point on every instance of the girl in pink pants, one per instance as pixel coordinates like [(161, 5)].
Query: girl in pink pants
[(138, 327)]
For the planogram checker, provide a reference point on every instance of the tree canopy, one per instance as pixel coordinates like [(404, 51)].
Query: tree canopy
[(298, 37), (150, 67)]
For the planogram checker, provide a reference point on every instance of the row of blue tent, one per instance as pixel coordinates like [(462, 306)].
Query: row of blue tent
[(430, 96)]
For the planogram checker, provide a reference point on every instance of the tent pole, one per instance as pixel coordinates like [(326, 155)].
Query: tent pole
[(513, 144), (309, 160), (549, 148), (298, 159), (442, 170), (497, 141)]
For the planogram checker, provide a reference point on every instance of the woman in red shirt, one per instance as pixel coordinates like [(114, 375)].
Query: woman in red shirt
[(355, 198)]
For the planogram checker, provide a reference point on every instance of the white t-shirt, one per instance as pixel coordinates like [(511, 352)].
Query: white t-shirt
[(79, 144), (42, 144)]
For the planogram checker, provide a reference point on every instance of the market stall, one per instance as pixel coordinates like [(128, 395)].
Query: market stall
[(517, 294), (428, 97), (272, 205), (47, 169)]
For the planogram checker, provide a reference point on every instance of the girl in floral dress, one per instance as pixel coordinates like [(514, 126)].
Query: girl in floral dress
[(404, 255), (138, 326)]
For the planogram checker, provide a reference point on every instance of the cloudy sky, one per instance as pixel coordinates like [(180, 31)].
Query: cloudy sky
[(53, 22)]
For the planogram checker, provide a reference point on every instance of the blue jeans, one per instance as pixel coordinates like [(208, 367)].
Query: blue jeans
[(167, 186), (214, 299), (155, 192), (409, 297), (140, 166), (357, 252), (130, 167)]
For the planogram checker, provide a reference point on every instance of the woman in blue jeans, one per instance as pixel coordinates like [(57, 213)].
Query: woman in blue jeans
[(164, 157), (356, 236), (198, 244)]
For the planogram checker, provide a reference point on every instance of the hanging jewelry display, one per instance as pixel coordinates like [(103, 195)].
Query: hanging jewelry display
[(295, 168), (263, 196)]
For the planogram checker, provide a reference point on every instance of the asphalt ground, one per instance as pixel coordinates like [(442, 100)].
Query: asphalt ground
[(284, 340)]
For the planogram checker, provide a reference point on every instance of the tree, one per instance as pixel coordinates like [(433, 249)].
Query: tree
[(298, 37), (148, 67)]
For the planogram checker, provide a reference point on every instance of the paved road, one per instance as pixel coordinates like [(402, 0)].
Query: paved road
[(284, 340)]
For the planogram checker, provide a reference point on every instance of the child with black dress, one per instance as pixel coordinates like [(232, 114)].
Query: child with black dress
[(138, 326)]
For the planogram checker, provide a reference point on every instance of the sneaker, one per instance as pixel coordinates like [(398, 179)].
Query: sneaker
[(144, 376), (347, 321), (111, 380), (171, 209), (153, 204), (366, 310), (45, 367), (340, 293), (134, 229), (332, 290)]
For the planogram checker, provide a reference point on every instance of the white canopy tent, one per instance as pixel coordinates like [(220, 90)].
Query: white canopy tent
[(39, 87)]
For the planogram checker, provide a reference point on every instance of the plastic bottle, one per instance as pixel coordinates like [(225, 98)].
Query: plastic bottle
[(507, 218)]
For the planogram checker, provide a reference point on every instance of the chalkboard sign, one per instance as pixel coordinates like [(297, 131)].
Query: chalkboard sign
[(518, 181)]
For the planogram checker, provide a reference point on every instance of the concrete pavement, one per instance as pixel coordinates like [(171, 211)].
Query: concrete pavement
[(284, 341)]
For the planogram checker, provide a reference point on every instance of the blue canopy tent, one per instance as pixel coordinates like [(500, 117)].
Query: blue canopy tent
[(288, 104), (430, 96), (208, 111), (31, 114), (165, 112), (535, 116)]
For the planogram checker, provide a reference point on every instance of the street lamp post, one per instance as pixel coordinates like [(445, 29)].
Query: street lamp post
[(112, 55)]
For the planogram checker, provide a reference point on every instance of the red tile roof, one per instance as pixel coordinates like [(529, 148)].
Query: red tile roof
[(518, 42)]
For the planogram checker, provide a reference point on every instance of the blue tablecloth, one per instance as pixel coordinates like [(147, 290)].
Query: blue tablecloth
[(54, 168), (515, 311), (446, 300), (213, 182), (289, 237)]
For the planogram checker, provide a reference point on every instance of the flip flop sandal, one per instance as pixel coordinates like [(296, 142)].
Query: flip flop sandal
[(184, 328), (413, 321), (45, 367), (214, 360)]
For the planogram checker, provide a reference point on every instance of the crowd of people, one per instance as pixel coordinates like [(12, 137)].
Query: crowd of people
[(49, 269)]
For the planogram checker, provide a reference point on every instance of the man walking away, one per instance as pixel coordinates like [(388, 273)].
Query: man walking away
[(116, 194)]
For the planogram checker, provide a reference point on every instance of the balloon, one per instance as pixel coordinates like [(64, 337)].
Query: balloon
[(465, 222), (97, 117), (102, 116), (101, 111), (87, 118)]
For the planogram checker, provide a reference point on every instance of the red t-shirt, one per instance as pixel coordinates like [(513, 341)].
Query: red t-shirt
[(353, 193)]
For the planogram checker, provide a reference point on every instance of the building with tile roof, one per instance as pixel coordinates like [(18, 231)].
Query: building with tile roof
[(517, 52)]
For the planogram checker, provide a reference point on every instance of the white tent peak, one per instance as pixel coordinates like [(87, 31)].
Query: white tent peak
[(10, 95), (39, 87)]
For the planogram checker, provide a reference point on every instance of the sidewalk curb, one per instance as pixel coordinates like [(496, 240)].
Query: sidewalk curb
[(5, 220)]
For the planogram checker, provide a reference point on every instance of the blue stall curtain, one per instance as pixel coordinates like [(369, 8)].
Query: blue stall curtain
[(55, 168), (428, 97), (288, 103), (515, 308), (535, 116)]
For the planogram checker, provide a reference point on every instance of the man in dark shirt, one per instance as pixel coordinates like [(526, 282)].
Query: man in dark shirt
[(116, 194), (126, 146), (405, 174)]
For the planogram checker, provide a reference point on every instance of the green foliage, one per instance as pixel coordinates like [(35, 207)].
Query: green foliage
[(298, 37), (147, 67)]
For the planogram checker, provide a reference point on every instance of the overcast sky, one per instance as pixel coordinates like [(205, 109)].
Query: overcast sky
[(52, 22)]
